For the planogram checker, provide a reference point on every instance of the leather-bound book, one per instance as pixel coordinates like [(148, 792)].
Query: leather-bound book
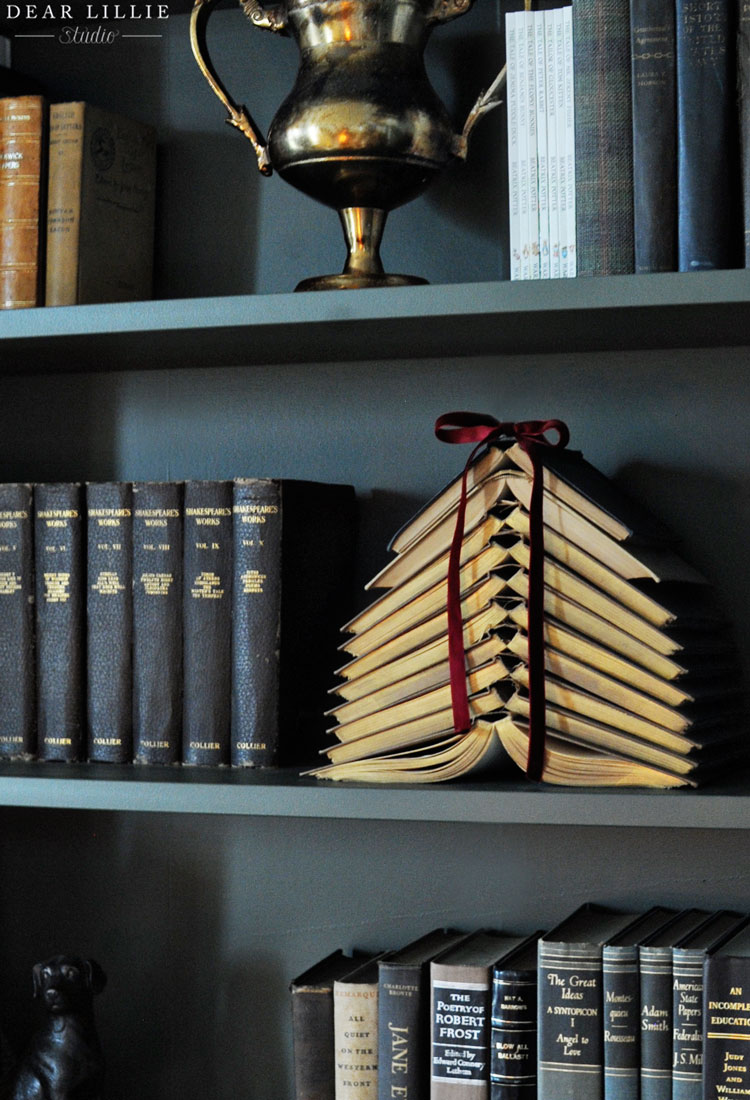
[(603, 137), (292, 578), (312, 1025), (59, 584), (513, 1024), (157, 622), (109, 621), (17, 690), (708, 199), (654, 71), (23, 185), (207, 622), (100, 206)]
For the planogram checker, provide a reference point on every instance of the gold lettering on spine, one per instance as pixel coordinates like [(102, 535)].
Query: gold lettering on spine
[(9, 583), (156, 584), (56, 587)]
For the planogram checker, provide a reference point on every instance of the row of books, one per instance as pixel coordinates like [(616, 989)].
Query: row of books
[(168, 622), (638, 670), (607, 1005), (655, 91), (77, 203)]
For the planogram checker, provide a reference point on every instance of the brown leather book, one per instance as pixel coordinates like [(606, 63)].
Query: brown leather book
[(23, 179)]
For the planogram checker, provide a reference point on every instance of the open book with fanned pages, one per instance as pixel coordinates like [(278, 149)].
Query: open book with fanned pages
[(641, 677)]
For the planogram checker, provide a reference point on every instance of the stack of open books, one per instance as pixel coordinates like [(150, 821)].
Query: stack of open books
[(641, 679)]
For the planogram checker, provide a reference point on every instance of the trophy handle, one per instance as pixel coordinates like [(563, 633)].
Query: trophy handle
[(486, 101), (238, 116)]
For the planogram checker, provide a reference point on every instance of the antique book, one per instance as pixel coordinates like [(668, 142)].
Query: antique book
[(603, 138), (461, 1000), (707, 136), (109, 621), (688, 959), (726, 1024), (654, 78), (59, 562), (404, 1015), (312, 1025), (513, 1024), (23, 185), (292, 570), (355, 1032), (656, 997), (571, 1035), (17, 686), (207, 622), (100, 206), (157, 622), (622, 1004)]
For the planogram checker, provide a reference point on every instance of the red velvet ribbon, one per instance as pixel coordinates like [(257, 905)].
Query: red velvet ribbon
[(531, 435)]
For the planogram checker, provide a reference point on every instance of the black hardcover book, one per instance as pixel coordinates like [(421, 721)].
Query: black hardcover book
[(655, 960), (621, 1004), (404, 1016), (109, 621), (292, 589), (726, 1024), (207, 622), (688, 958), (17, 689), (743, 105), (513, 1025), (59, 586), (570, 992), (709, 223), (654, 76), (157, 622), (312, 1025)]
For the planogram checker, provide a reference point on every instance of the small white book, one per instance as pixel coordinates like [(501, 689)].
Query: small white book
[(514, 165)]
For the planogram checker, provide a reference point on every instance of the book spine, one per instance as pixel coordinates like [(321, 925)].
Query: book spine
[(23, 177), (59, 568), (726, 1060), (513, 1035), (157, 622), (256, 619), (707, 138), (523, 148), (17, 715), (603, 138), (621, 1004), (460, 1032), (541, 137), (548, 16), (514, 166), (570, 990), (654, 80), (313, 1041), (564, 183), (529, 45), (355, 1031), (656, 1023), (687, 1024), (109, 621), (66, 142), (743, 106), (207, 624), (570, 142), (402, 1034)]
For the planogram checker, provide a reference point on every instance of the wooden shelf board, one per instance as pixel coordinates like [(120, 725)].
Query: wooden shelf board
[(282, 793), (621, 312)]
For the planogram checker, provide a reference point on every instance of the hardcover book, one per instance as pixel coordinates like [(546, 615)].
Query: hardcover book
[(59, 551), (157, 622), (355, 1032), (23, 188), (726, 974), (100, 206), (513, 1024), (109, 621), (17, 687)]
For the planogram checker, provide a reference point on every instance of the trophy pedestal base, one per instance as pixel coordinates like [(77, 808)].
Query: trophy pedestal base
[(354, 281)]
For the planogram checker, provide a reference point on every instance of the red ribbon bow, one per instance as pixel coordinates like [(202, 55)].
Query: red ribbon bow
[(466, 427)]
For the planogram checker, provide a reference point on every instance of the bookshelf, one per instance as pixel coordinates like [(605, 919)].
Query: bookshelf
[(203, 893)]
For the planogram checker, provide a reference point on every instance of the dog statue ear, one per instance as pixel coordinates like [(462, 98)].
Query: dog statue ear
[(96, 979), (36, 977)]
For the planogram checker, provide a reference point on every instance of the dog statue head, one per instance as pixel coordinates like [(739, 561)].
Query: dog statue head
[(67, 983)]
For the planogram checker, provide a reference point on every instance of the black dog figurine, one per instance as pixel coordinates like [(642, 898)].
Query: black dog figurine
[(64, 1059)]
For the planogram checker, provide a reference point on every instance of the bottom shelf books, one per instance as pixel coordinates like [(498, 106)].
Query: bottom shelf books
[(531, 588), (607, 1005)]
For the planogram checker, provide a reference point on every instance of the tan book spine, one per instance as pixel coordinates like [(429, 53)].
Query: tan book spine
[(66, 139), (22, 176), (355, 1030)]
